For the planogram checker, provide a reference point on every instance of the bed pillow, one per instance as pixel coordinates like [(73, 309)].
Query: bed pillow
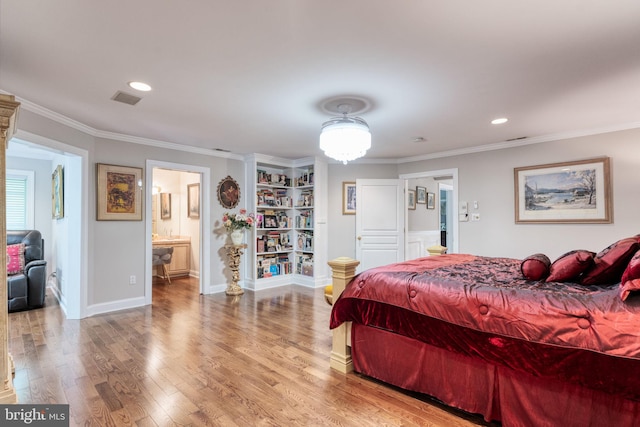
[(628, 287), (611, 262), (569, 267), (15, 258), (535, 267), (633, 269)]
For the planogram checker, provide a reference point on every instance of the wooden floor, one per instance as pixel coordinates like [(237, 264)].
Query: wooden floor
[(261, 359)]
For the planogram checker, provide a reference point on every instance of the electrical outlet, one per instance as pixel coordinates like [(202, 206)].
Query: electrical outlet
[(475, 217), (132, 280)]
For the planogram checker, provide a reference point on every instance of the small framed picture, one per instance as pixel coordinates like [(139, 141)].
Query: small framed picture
[(193, 200), (421, 195), (348, 198), (165, 205), (411, 200), (431, 200)]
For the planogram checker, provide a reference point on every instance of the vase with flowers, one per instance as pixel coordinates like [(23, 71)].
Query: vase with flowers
[(236, 223)]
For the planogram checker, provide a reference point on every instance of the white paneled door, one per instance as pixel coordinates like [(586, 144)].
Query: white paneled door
[(379, 222)]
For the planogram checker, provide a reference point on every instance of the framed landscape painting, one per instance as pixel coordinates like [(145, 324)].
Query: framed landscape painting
[(569, 192)]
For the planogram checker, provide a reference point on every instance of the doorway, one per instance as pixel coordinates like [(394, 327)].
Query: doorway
[(177, 221), (67, 237), (418, 237), (446, 213)]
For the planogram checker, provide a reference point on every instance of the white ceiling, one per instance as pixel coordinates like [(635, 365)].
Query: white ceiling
[(250, 76)]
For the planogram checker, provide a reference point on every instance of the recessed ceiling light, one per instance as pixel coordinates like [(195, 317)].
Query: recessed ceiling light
[(143, 87), (499, 121)]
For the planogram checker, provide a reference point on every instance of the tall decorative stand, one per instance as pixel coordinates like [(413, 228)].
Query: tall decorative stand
[(234, 252)]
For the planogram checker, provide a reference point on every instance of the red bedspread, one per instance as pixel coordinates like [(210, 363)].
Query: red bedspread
[(483, 307)]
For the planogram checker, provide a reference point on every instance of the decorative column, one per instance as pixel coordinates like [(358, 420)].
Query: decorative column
[(234, 252), (343, 270), (8, 117)]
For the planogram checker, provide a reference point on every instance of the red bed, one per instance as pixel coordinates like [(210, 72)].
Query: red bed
[(474, 333)]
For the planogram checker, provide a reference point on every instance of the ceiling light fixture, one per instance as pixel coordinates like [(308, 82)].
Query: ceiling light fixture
[(143, 87), (345, 138), (499, 121)]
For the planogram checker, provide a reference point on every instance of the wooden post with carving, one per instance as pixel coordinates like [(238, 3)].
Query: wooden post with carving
[(343, 270), (8, 117)]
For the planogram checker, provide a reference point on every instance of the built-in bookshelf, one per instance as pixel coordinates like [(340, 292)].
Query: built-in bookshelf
[(284, 246)]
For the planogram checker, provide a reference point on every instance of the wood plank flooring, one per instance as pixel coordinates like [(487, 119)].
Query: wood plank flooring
[(261, 359)]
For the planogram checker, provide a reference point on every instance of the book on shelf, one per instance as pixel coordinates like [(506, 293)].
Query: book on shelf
[(304, 219), (272, 265), (305, 178), (267, 178), (305, 199)]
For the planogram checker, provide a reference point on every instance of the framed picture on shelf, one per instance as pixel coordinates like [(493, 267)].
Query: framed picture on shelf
[(118, 193), (568, 192), (270, 221), (193, 200), (431, 200), (348, 198), (421, 195), (411, 200)]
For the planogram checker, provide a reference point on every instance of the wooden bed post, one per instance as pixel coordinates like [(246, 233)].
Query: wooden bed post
[(343, 270)]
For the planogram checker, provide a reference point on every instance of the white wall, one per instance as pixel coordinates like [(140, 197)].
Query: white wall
[(488, 178), (116, 249), (421, 218)]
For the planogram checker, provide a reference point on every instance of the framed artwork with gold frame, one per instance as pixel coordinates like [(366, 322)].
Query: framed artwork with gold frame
[(119, 195), (567, 192), (228, 192)]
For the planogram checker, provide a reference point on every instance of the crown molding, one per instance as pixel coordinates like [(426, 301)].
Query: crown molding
[(74, 124), (521, 142), (97, 133)]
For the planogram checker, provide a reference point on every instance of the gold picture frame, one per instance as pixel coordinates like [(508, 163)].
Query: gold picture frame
[(165, 205), (568, 192), (119, 193), (57, 193), (348, 198), (228, 192), (193, 200)]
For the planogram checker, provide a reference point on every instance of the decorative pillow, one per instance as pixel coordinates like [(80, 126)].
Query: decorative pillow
[(15, 258), (569, 267), (628, 287), (535, 267), (611, 262), (633, 269)]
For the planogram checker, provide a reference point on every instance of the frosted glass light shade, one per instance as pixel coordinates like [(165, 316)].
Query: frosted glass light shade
[(345, 138)]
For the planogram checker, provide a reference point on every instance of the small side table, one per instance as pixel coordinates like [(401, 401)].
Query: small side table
[(234, 252)]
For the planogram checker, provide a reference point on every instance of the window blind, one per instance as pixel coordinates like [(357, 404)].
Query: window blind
[(17, 203)]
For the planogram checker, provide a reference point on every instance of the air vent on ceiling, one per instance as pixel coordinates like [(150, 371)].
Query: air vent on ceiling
[(517, 139), (126, 98)]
